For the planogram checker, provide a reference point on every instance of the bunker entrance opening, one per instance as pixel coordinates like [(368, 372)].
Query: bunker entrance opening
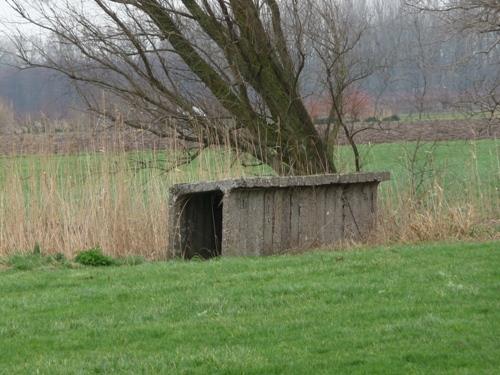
[(201, 224)]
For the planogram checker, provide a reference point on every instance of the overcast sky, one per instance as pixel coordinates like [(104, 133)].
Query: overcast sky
[(6, 12), (8, 17)]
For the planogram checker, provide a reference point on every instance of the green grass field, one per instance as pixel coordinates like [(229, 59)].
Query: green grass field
[(455, 162), (425, 309), (464, 171), (452, 162)]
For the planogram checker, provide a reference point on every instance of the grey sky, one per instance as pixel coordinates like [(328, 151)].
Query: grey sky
[(5, 11), (8, 18)]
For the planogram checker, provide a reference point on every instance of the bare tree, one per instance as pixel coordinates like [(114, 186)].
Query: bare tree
[(225, 71), (336, 37), (477, 16), (479, 23), (483, 97), (424, 47)]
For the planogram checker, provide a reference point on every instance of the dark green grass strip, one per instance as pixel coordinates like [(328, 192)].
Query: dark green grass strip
[(426, 309)]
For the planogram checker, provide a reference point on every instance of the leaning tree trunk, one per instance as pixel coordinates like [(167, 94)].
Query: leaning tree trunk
[(289, 143), (301, 149)]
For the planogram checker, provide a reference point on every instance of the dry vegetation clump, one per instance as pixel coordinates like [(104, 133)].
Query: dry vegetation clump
[(115, 200), (409, 223), (66, 212), (406, 218)]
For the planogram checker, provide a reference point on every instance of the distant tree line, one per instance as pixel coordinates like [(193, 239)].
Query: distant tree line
[(423, 65), (247, 73)]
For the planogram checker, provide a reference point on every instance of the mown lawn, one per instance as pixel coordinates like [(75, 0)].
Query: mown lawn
[(419, 309)]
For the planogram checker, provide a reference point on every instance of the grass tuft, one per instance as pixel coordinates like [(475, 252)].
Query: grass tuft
[(29, 262), (95, 258)]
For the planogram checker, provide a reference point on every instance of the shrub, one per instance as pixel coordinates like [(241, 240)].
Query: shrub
[(372, 119), (391, 118), (94, 257)]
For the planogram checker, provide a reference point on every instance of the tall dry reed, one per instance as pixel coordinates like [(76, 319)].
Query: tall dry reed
[(116, 200), (443, 207), (119, 200)]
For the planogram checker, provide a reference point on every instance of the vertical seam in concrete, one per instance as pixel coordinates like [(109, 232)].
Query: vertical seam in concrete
[(290, 213), (325, 216), (342, 197), (346, 201), (263, 241), (273, 219)]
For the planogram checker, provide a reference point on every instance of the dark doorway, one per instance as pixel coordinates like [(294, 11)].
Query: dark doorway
[(201, 225)]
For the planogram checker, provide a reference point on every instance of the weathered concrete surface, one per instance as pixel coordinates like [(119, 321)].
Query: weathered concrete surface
[(263, 216), (266, 182)]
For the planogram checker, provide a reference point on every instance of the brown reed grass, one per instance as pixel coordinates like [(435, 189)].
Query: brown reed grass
[(118, 200), (108, 197)]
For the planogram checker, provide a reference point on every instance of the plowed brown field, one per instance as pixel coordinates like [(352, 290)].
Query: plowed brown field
[(76, 142)]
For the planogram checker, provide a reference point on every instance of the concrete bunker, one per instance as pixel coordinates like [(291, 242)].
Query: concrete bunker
[(264, 216)]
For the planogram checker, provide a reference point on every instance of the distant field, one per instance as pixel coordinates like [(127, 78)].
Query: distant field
[(454, 164), (428, 130), (441, 126), (417, 309), (456, 161)]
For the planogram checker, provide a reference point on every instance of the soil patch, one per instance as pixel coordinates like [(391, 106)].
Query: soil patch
[(130, 140), (390, 132)]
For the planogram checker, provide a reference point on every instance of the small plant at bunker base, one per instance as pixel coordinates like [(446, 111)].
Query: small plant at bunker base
[(94, 257)]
